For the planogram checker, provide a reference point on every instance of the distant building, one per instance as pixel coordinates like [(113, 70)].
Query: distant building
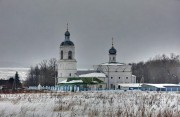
[(111, 73), (6, 84), (116, 72), (129, 86), (160, 87)]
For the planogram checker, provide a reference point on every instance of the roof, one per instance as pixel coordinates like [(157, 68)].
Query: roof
[(81, 80), (163, 85), (112, 50), (71, 82), (84, 71), (67, 33), (171, 85), (133, 76), (3, 82), (67, 43), (130, 84), (95, 74), (116, 63)]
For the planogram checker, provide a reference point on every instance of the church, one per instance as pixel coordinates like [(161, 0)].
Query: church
[(109, 74)]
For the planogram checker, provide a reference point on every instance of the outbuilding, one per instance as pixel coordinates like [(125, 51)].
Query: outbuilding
[(161, 87), (129, 86)]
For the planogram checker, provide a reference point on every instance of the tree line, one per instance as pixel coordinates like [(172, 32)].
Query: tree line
[(12, 83), (43, 73), (160, 69)]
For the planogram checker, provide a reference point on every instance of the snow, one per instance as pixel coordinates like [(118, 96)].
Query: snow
[(162, 85), (72, 81), (85, 104), (112, 63), (6, 73), (98, 75), (130, 84), (39, 87)]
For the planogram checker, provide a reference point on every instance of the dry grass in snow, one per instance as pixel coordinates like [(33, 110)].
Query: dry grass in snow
[(91, 104)]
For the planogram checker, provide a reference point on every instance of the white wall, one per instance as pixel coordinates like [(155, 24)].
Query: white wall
[(115, 71), (67, 66)]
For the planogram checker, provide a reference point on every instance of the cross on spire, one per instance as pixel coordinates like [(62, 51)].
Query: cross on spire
[(112, 42), (67, 26)]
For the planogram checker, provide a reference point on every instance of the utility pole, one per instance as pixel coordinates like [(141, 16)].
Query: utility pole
[(55, 74)]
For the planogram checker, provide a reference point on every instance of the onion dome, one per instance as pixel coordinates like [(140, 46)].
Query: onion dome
[(67, 41), (112, 50), (67, 33)]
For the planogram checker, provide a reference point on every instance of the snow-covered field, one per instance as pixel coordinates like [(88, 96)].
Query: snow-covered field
[(6, 73), (91, 104)]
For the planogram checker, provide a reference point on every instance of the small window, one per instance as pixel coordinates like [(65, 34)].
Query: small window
[(111, 77), (126, 77), (70, 55), (100, 86), (112, 86), (61, 54), (119, 86), (119, 77), (113, 58), (70, 74)]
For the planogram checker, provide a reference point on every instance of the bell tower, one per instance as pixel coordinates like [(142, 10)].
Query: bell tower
[(67, 63)]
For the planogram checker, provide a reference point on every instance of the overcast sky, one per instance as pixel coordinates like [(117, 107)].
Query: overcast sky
[(32, 30)]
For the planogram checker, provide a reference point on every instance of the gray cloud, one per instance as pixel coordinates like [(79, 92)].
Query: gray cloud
[(31, 31)]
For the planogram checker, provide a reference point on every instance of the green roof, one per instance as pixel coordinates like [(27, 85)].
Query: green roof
[(86, 80)]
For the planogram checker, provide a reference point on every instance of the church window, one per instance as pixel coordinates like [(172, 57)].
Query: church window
[(119, 86), (70, 74), (119, 77), (112, 86), (70, 55), (61, 54), (113, 58)]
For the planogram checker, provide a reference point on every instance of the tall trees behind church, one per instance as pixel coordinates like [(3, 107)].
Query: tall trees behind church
[(43, 73), (160, 69)]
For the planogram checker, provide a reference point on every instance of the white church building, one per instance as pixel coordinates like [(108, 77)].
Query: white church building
[(111, 73)]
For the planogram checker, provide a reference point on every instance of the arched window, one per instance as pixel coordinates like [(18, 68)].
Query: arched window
[(61, 54), (70, 55)]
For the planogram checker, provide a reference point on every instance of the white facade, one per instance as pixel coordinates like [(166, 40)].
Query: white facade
[(115, 72), (67, 63)]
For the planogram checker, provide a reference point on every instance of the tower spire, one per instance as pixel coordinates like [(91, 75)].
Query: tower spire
[(67, 26), (112, 42), (67, 34)]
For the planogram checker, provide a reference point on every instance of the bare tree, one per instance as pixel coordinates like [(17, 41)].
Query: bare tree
[(43, 73)]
